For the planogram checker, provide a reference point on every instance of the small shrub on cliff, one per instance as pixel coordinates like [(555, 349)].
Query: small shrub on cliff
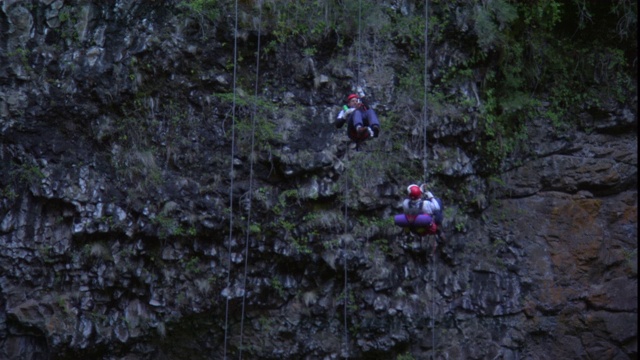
[(405, 356), (205, 9)]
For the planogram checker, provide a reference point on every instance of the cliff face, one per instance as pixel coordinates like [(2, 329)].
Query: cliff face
[(144, 216)]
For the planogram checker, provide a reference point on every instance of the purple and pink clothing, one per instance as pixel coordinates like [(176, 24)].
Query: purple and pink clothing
[(416, 217), (420, 225)]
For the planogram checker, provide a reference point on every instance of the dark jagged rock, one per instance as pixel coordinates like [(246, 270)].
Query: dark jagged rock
[(127, 212)]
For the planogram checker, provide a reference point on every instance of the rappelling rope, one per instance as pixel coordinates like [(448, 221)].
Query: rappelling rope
[(231, 175), (359, 42), (251, 161), (344, 253), (425, 117), (425, 121), (433, 308), (346, 201)]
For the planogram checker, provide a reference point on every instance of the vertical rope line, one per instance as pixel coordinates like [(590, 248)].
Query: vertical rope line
[(425, 114), (231, 175), (433, 309), (426, 86), (359, 42), (346, 298), (251, 161), (344, 253)]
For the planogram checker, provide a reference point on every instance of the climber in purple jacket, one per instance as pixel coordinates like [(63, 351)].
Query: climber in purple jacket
[(416, 213)]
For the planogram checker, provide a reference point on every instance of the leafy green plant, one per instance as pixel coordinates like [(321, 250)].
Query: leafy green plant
[(276, 284), (301, 245), (382, 245), (528, 60), (292, 20), (252, 118), (19, 176), (168, 227), (9, 193), (255, 229), (405, 356), (310, 51), (22, 56), (205, 9), (331, 244), (489, 19), (191, 266)]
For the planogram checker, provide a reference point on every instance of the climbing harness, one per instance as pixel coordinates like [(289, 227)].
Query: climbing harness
[(231, 175), (251, 161)]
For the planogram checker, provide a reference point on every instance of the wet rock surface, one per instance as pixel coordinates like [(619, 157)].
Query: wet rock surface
[(132, 227)]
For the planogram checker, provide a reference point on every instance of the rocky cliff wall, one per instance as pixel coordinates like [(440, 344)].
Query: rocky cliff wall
[(137, 221)]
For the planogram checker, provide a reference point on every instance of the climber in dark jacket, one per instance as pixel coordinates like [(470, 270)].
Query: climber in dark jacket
[(362, 121)]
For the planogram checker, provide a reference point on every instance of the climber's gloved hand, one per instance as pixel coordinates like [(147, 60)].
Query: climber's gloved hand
[(345, 113)]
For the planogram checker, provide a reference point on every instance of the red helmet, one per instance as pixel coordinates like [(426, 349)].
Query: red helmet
[(352, 96), (414, 192)]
